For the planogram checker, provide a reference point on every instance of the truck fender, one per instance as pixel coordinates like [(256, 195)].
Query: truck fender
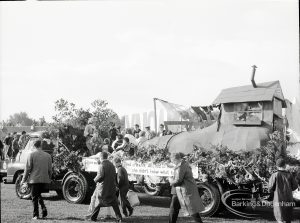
[(81, 174), (66, 175), (17, 173)]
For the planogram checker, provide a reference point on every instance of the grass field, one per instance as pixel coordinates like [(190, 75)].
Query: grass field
[(152, 210)]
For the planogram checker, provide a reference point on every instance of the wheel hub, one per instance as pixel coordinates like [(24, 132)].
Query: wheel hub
[(207, 199), (23, 188), (74, 188)]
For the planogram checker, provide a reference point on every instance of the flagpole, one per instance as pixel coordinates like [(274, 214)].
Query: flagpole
[(155, 115)]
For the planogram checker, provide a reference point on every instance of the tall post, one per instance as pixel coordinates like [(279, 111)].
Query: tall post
[(155, 115)]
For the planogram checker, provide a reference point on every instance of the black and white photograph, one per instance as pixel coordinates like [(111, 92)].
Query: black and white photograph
[(150, 111)]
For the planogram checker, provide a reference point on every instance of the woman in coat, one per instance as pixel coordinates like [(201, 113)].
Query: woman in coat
[(184, 190)]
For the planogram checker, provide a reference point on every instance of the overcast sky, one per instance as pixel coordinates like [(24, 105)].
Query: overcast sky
[(128, 52)]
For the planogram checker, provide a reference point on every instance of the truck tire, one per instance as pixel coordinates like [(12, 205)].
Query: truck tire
[(151, 188), (211, 199), (23, 192), (75, 188)]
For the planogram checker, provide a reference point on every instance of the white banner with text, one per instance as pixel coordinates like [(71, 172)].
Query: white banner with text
[(134, 167)]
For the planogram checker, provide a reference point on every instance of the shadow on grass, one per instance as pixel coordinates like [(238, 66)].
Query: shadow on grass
[(265, 214), (53, 198), (163, 202), (137, 219), (156, 219), (61, 198), (65, 219)]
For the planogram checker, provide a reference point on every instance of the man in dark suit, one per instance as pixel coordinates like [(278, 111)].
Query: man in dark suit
[(37, 173), (113, 132), (123, 185), (106, 184), (162, 131)]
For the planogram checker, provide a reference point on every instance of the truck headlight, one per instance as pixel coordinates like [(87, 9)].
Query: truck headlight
[(4, 166)]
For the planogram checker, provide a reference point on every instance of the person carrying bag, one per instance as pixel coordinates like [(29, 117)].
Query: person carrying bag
[(184, 190)]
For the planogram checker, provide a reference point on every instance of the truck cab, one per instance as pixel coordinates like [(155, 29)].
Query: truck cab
[(16, 167)]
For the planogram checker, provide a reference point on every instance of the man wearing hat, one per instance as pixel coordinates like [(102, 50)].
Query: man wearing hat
[(282, 183), (106, 187)]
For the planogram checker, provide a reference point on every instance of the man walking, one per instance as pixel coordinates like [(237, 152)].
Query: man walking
[(37, 173), (15, 146), (123, 185), (184, 190), (106, 184), (8, 145), (282, 184)]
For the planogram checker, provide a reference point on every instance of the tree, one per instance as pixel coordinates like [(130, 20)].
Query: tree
[(68, 114), (65, 111), (104, 117), (21, 119)]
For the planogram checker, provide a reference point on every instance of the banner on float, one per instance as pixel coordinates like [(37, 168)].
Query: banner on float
[(150, 169), (90, 164), (133, 167)]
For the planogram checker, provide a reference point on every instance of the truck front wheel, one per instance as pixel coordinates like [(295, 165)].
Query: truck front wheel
[(22, 191), (211, 199), (75, 188), (151, 187)]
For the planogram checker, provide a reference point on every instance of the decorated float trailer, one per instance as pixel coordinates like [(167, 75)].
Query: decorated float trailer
[(248, 115)]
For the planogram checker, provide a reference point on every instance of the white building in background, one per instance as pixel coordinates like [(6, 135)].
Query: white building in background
[(177, 118), (147, 118)]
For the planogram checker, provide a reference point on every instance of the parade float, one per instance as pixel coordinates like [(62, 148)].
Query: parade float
[(231, 159)]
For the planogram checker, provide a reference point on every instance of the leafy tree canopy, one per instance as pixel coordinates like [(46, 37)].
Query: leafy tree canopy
[(68, 114), (19, 119)]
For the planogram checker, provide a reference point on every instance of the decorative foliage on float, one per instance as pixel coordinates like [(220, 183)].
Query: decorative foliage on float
[(218, 162)]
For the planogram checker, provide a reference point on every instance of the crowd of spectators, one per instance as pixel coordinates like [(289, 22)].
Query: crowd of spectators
[(126, 140), (12, 144)]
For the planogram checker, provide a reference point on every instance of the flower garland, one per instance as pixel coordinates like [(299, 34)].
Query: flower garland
[(219, 162), (216, 162)]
